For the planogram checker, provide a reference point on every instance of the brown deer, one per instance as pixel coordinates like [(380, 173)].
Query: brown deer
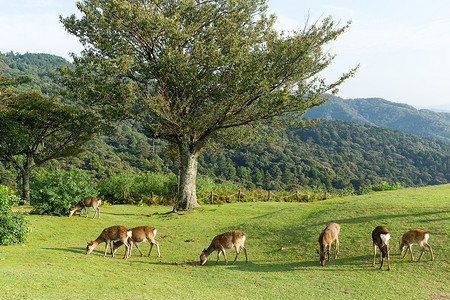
[(380, 238), (326, 238), (418, 236), (108, 236), (140, 234), (84, 204), (229, 240)]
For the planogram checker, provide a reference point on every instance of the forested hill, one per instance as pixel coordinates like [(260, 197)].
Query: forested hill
[(331, 154), (335, 155), (383, 113), (36, 66)]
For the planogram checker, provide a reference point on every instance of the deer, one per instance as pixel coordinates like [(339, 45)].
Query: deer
[(228, 240), (140, 234), (326, 238), (418, 236), (380, 238), (108, 236), (84, 203)]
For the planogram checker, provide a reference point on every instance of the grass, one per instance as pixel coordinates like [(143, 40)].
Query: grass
[(53, 263)]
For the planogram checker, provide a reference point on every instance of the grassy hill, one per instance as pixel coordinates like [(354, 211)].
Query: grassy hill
[(383, 113), (53, 263)]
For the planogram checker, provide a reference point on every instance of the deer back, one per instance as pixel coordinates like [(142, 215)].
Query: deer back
[(329, 235)]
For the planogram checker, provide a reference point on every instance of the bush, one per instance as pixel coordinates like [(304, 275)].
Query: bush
[(136, 189), (14, 226), (382, 186), (56, 192)]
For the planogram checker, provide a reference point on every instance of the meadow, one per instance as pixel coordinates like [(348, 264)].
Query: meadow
[(281, 244)]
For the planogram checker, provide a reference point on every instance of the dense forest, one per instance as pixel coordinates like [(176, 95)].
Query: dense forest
[(383, 113), (331, 155)]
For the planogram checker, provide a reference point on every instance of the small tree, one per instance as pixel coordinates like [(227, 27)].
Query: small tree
[(54, 193), (14, 226), (197, 72), (35, 129)]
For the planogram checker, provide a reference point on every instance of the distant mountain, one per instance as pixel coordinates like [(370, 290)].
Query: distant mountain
[(37, 67), (383, 113)]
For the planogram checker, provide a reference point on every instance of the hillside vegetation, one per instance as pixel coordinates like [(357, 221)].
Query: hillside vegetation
[(383, 113), (281, 244), (332, 155)]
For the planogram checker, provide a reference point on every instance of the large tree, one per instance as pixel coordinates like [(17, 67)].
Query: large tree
[(35, 129), (197, 71)]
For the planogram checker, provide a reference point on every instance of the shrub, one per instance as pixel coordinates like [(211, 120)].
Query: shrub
[(138, 189), (14, 226), (54, 193)]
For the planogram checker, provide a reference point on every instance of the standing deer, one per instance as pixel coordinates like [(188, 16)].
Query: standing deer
[(418, 236), (84, 204), (140, 234), (326, 238), (229, 240), (108, 236), (380, 238)]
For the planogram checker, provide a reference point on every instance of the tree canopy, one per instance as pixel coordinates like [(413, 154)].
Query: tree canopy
[(35, 129), (197, 71)]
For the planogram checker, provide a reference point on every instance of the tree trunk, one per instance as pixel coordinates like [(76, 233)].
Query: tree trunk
[(187, 195), (26, 184)]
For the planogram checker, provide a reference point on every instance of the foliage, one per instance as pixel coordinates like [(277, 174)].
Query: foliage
[(196, 72), (135, 188), (37, 67), (383, 186), (54, 193), (35, 129), (379, 112), (281, 243), (333, 156), (14, 226)]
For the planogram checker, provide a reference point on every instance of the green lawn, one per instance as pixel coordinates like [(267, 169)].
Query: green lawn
[(53, 263)]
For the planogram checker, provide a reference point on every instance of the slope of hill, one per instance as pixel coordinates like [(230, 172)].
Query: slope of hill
[(36, 66), (383, 113)]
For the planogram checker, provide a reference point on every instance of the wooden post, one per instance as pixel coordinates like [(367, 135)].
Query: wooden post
[(296, 195), (239, 196), (212, 198), (269, 197)]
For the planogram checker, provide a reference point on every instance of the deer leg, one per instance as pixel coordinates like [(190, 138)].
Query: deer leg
[(86, 210), (129, 247), (157, 248), (218, 255), (245, 251), (381, 261), (421, 253), (106, 249), (410, 250), (151, 247), (336, 249), (225, 255), (328, 252), (431, 251), (374, 254), (96, 211), (237, 254), (137, 246), (406, 252), (388, 258)]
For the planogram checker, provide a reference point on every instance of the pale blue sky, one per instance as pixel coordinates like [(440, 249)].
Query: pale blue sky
[(402, 46)]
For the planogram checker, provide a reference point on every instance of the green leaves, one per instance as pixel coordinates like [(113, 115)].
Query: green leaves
[(190, 69)]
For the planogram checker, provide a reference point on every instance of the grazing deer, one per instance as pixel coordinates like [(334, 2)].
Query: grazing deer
[(418, 236), (229, 240), (140, 234), (326, 238), (84, 204), (109, 235), (380, 238)]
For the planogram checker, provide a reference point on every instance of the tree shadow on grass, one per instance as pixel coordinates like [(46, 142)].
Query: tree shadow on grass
[(69, 249)]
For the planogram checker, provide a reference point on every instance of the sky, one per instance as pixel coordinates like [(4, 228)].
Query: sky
[(401, 46)]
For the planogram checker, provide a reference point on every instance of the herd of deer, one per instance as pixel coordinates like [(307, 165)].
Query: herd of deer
[(116, 236)]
